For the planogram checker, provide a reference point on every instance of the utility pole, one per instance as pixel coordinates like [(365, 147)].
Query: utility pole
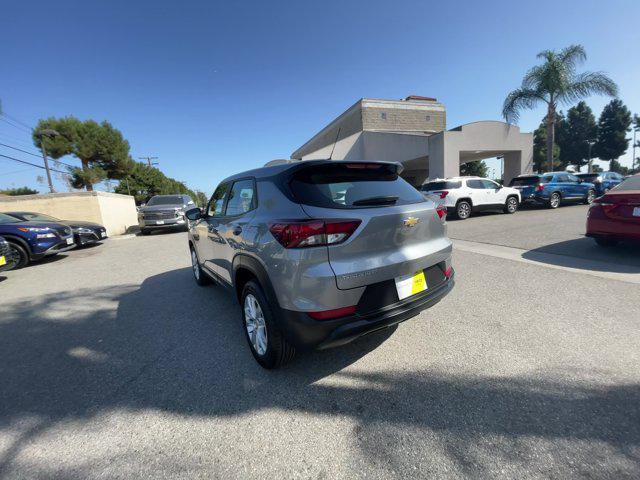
[(41, 134), (636, 127), (150, 160)]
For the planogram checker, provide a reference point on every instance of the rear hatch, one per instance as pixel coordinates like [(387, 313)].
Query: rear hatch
[(526, 185), (400, 231)]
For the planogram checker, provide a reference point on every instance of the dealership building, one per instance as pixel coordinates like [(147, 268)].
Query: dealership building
[(414, 132)]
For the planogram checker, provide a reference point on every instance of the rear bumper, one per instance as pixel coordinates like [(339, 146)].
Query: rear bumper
[(306, 333)]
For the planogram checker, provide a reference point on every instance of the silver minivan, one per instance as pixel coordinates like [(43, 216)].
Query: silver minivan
[(321, 252)]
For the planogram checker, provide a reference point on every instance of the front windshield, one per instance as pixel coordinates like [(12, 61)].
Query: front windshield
[(166, 200), (38, 217), (7, 219)]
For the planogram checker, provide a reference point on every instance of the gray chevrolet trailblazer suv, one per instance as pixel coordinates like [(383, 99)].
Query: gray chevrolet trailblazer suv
[(164, 211), (321, 252)]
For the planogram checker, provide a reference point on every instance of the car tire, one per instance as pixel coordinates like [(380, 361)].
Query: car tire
[(606, 242), (511, 205), (591, 196), (199, 276), (145, 231), (19, 253), (463, 209), (267, 344), (554, 200)]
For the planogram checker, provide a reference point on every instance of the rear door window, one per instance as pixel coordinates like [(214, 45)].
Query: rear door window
[(631, 183), (352, 185), (241, 198), (477, 184)]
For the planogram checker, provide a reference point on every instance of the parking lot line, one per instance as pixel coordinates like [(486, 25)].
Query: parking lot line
[(611, 271)]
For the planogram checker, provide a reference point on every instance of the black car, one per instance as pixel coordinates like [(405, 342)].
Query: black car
[(7, 259), (84, 233)]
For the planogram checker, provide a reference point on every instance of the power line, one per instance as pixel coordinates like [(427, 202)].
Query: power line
[(16, 171), (32, 164), (36, 155), (16, 125), (14, 119)]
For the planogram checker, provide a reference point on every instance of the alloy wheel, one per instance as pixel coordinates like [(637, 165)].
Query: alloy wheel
[(464, 210), (555, 200), (590, 197), (255, 324), (512, 205)]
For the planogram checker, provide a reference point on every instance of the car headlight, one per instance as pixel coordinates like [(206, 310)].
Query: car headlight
[(40, 232), (179, 213), (83, 230)]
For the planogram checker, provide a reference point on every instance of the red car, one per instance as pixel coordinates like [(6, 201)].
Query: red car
[(616, 215)]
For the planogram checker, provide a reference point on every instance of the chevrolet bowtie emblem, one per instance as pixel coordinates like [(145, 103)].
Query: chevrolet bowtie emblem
[(411, 221)]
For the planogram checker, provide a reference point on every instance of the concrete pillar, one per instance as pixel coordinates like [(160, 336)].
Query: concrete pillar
[(444, 159), (517, 163)]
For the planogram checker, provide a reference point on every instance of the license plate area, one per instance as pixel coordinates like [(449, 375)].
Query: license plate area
[(636, 212), (69, 241), (103, 234), (412, 284), (160, 222)]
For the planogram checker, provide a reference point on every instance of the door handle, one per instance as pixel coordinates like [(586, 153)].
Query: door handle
[(237, 230)]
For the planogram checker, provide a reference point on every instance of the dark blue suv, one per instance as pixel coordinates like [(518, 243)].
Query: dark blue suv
[(31, 241), (553, 188), (603, 181)]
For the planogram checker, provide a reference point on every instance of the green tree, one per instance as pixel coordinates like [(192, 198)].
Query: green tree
[(613, 125), (579, 128), (13, 192), (474, 169), (201, 199), (143, 182), (555, 83), (102, 150)]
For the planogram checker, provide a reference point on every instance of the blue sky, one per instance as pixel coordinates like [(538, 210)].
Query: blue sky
[(214, 87)]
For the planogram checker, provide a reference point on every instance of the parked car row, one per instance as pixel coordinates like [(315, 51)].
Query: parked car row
[(33, 236), (463, 196)]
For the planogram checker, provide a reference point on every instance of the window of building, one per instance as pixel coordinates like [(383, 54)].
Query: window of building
[(383, 115), (428, 118)]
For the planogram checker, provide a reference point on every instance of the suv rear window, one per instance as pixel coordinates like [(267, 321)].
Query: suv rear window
[(440, 185), (524, 181), (352, 185), (587, 177)]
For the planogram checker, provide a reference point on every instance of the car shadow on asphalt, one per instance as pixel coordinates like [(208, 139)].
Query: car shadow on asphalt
[(585, 254), (167, 345)]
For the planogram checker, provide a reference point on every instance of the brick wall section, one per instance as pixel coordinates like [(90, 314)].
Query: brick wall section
[(403, 120)]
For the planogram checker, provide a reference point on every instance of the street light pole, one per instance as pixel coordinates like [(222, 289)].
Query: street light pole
[(591, 143)]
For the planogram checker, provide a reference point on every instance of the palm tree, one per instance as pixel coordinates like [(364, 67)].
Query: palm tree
[(555, 83)]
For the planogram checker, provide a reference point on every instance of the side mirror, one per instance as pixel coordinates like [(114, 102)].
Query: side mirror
[(193, 214)]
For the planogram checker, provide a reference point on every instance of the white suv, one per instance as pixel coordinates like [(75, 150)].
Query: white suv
[(464, 195)]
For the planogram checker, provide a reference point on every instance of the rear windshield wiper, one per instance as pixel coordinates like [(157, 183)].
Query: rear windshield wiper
[(386, 200)]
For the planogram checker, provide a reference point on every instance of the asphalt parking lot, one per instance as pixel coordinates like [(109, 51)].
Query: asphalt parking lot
[(114, 364)]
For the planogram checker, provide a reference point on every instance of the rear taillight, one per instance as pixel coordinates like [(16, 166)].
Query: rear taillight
[(441, 210), (443, 193), (606, 206), (448, 272), (333, 314), (313, 233), (540, 187)]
